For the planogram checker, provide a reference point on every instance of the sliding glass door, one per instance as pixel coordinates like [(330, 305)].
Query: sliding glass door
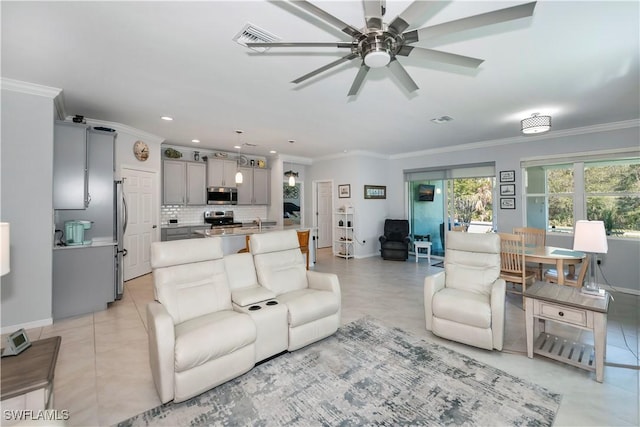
[(458, 197)]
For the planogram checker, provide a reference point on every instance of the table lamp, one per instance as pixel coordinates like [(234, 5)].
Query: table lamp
[(589, 236), (4, 248)]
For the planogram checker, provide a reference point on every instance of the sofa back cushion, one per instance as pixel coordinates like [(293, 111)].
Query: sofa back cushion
[(472, 261), (240, 271), (280, 265), (190, 279)]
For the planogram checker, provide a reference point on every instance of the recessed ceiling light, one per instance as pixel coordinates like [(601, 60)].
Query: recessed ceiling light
[(273, 151), (195, 140), (441, 120), (237, 147), (167, 118)]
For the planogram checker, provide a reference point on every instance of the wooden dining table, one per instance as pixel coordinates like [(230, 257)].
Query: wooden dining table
[(556, 256)]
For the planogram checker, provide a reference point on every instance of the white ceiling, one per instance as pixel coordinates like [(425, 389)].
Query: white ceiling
[(132, 62)]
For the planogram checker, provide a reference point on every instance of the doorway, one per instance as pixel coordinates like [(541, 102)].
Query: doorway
[(323, 202), (293, 204), (139, 188)]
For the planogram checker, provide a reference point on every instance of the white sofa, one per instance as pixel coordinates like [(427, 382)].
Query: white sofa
[(312, 298), (466, 302), (213, 319)]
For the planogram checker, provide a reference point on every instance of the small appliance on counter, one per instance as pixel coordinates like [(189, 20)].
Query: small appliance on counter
[(74, 232)]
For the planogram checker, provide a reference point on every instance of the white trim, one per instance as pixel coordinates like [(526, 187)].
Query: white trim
[(28, 325), (351, 154), (585, 156), (518, 139), (30, 88)]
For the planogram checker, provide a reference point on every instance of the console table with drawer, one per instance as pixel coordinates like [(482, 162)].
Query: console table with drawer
[(568, 306)]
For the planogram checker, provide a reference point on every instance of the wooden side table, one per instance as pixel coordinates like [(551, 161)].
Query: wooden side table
[(567, 305), (27, 379)]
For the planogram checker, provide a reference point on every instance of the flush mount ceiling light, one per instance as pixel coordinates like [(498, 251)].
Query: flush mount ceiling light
[(536, 124)]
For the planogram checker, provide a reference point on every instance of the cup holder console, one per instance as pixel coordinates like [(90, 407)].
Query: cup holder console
[(272, 302), (254, 308)]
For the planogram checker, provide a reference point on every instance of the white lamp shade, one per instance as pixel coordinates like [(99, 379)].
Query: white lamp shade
[(4, 248), (590, 236), (292, 181), (238, 177), (536, 124)]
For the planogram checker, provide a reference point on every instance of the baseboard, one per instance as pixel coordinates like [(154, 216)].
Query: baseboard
[(635, 292), (27, 326)]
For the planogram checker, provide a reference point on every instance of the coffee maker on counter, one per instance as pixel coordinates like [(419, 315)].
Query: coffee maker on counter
[(74, 232)]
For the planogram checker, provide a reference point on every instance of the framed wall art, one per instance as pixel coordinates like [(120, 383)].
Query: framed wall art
[(344, 191), (507, 189), (507, 176), (507, 203), (375, 191)]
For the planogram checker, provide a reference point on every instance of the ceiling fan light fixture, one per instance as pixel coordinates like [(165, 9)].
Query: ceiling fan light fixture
[(535, 124), (377, 59)]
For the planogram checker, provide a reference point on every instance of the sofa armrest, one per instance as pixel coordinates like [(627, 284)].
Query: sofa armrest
[(382, 239), (407, 239), (323, 281), (498, 291), (432, 284), (161, 349)]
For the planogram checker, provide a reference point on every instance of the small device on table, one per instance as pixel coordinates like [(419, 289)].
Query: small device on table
[(17, 342)]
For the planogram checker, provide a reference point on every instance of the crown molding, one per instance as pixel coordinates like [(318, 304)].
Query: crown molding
[(361, 153), (606, 127), (148, 137), (38, 90), (295, 159)]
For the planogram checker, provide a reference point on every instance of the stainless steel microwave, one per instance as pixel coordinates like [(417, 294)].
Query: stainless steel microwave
[(222, 196)]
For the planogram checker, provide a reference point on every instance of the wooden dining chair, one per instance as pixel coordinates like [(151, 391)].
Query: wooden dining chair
[(512, 265), (303, 240), (533, 237), (246, 242), (551, 275)]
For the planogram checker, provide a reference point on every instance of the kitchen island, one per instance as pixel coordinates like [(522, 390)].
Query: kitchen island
[(233, 239)]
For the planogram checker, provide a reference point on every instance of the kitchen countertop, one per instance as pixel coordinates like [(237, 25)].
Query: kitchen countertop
[(95, 243), (243, 231)]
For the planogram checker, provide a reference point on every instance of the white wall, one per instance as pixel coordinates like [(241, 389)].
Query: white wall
[(27, 200)]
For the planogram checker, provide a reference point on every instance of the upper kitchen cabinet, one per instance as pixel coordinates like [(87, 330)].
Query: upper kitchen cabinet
[(255, 188), (184, 183), (221, 173), (70, 165)]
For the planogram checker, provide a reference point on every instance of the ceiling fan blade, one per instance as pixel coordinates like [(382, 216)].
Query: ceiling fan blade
[(476, 21), (336, 22), (405, 79), (357, 82), (303, 44), (439, 56), (325, 67), (373, 14), (410, 14)]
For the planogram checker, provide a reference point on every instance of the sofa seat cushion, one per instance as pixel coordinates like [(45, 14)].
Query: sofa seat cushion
[(460, 306), (251, 295), (211, 336), (307, 305)]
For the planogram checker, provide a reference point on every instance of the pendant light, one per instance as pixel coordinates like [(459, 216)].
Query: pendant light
[(292, 177), (238, 173)]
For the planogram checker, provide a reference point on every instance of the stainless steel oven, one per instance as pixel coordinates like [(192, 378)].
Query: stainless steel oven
[(222, 196)]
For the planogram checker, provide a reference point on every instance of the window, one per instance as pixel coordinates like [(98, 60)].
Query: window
[(607, 190)]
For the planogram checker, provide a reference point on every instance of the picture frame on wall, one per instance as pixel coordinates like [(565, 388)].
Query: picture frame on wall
[(508, 176), (375, 191), (507, 203), (344, 191), (507, 189)]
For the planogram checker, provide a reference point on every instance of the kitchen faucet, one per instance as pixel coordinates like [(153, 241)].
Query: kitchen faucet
[(258, 221)]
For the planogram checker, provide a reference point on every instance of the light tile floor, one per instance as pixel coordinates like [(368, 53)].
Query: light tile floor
[(103, 376)]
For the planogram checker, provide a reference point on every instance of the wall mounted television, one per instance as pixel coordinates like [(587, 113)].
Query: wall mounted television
[(426, 192)]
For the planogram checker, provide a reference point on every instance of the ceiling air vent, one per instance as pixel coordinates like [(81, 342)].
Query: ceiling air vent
[(252, 34), (441, 120)]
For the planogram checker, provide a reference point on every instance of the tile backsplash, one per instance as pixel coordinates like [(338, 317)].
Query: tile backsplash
[(195, 214)]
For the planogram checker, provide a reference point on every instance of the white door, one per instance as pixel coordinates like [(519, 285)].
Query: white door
[(324, 206), (140, 193)]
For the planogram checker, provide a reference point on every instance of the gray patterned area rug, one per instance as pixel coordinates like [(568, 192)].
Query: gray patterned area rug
[(365, 374)]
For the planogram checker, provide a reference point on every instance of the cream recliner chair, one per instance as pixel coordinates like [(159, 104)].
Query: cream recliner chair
[(466, 302), (312, 298), (196, 340)]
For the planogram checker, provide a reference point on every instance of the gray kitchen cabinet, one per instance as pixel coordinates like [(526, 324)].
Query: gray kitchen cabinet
[(255, 188), (182, 232), (82, 280), (70, 164), (196, 183), (221, 173), (184, 183)]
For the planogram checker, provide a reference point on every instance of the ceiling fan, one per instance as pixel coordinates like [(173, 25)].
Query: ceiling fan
[(380, 44)]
